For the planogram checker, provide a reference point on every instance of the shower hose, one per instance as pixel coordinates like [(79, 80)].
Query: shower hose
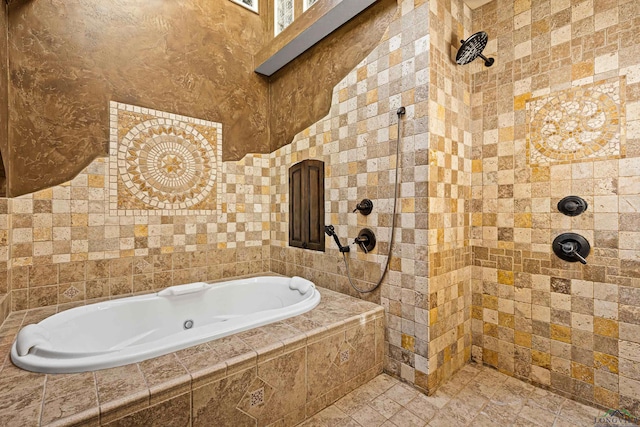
[(401, 112)]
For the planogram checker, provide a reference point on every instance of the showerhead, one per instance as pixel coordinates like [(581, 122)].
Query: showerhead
[(472, 48)]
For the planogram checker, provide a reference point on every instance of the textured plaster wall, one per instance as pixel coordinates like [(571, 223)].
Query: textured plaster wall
[(68, 59), (4, 93), (189, 57), (558, 115)]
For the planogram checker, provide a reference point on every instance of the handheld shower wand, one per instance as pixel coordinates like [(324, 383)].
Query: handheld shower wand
[(363, 241), (331, 232)]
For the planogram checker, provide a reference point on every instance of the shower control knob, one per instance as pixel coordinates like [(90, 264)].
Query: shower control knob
[(365, 207), (571, 247), (366, 240), (572, 205)]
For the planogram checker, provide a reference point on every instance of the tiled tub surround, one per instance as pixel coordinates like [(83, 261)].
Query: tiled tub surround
[(279, 373)]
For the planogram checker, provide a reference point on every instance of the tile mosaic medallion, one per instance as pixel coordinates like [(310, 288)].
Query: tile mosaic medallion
[(580, 123), (162, 163)]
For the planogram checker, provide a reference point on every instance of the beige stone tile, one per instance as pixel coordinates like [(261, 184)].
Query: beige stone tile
[(70, 395), (501, 413), (173, 412), (536, 415), (320, 356), (385, 406), (166, 377), (401, 393), (445, 419), (421, 407), (327, 417), (348, 423), (462, 410), (351, 402), (21, 407), (216, 403), (525, 422), (561, 422), (14, 380), (481, 420), (286, 376), (380, 384), (115, 383), (547, 400), (440, 398), (162, 369), (404, 417), (368, 416), (578, 413), (267, 335)]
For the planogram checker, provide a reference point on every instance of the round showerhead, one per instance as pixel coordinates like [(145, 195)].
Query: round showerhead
[(472, 48)]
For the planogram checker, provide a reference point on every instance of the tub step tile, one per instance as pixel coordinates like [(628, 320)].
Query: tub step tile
[(175, 412), (166, 377), (216, 404), (21, 407), (70, 395), (287, 376), (121, 391)]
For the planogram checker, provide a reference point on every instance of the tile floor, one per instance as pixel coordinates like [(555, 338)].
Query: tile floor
[(476, 396)]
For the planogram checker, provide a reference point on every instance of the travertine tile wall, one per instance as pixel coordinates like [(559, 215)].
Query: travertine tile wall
[(427, 294), (558, 114), (67, 248), (449, 192), (357, 143)]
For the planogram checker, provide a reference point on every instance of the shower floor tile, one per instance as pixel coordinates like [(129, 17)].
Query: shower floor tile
[(485, 398)]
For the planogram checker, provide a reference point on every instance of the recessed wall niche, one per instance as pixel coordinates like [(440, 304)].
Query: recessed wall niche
[(162, 163)]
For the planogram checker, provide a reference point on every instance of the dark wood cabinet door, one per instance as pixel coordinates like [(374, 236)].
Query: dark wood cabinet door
[(306, 205)]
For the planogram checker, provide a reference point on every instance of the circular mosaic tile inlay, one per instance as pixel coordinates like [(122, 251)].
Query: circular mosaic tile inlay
[(167, 165), (575, 125)]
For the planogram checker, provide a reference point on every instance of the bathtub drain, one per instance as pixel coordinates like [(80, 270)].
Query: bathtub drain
[(188, 324)]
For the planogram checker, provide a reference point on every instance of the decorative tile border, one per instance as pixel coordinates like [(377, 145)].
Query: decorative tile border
[(581, 123), (162, 163)]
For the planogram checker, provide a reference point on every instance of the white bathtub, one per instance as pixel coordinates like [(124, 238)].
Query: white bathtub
[(133, 329)]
